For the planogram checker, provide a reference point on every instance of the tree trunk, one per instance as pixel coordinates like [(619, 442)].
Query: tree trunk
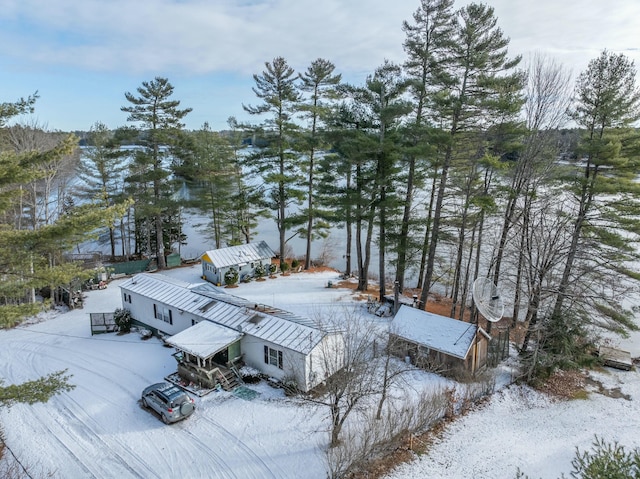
[(425, 244), (403, 242), (162, 264)]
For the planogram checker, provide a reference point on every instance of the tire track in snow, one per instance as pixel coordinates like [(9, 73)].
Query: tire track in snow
[(78, 428), (262, 472), (225, 469), (31, 355), (91, 425)]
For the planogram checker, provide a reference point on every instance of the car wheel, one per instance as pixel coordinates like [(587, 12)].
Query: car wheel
[(165, 419), (144, 402)]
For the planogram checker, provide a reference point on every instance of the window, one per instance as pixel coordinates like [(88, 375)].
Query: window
[(163, 313), (127, 298), (273, 357)]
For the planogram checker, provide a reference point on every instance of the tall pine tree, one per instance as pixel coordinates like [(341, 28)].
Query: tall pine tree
[(277, 164), (159, 118)]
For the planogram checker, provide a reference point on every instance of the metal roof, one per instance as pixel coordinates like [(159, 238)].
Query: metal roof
[(238, 255), (441, 333), (204, 339), (213, 304)]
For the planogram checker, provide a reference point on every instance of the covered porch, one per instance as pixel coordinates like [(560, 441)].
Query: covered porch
[(208, 355)]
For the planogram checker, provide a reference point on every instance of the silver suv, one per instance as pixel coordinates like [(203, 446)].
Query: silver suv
[(168, 400)]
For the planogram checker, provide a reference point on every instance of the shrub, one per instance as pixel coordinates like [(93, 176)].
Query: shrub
[(231, 277), (295, 263), (260, 270), (272, 268), (122, 318), (603, 461), (284, 267)]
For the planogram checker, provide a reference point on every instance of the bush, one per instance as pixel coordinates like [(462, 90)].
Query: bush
[(606, 461), (295, 263), (122, 318), (273, 268), (260, 270), (231, 277), (603, 461), (284, 267)]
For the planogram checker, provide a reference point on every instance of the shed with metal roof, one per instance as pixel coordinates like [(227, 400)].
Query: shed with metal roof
[(438, 342), (244, 258)]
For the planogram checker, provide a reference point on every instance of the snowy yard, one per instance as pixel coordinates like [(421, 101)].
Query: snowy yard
[(100, 429)]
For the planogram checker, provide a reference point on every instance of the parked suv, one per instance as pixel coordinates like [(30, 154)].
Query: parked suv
[(168, 400)]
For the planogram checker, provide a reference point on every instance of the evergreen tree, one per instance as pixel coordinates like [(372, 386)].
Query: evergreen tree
[(426, 39), (160, 118), (385, 92), (477, 72), (33, 258), (606, 192), (38, 390), (247, 200), (212, 176), (102, 170), (319, 82), (277, 164)]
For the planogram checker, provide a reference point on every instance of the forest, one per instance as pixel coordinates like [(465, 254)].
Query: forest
[(462, 162)]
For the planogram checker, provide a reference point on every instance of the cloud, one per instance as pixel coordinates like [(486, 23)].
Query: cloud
[(201, 36)]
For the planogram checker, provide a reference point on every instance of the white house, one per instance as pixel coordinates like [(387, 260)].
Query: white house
[(277, 343), (435, 341), (243, 258)]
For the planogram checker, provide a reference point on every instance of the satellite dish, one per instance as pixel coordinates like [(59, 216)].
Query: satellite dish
[(487, 299)]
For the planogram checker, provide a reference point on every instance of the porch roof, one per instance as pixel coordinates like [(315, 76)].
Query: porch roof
[(204, 339)]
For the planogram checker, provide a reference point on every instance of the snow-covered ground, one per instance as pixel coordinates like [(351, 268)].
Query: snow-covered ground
[(100, 430)]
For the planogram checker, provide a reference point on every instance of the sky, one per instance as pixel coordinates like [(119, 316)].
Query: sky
[(81, 56)]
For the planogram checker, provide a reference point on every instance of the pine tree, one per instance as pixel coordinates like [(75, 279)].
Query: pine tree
[(606, 193), (160, 118), (277, 164), (34, 258), (319, 82), (425, 42), (212, 176), (102, 170), (477, 72)]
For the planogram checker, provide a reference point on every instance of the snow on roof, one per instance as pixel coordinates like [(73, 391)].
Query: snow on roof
[(241, 254), (443, 334), (204, 339), (207, 302)]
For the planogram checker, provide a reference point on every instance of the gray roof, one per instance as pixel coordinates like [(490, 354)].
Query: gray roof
[(440, 333), (204, 339), (208, 302), (238, 255)]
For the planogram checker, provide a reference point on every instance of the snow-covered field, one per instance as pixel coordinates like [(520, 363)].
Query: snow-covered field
[(100, 430)]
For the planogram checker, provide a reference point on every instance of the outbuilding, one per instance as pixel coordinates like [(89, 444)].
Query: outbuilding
[(243, 258), (277, 343), (437, 342)]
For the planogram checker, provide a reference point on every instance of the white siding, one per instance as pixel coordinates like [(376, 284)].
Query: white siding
[(296, 337)]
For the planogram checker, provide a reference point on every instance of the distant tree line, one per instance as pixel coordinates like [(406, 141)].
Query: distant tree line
[(454, 165)]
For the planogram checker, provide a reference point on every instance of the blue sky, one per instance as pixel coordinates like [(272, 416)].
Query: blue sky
[(83, 55)]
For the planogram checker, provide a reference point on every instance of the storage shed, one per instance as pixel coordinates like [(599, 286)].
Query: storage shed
[(277, 343), (243, 258), (437, 342)]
